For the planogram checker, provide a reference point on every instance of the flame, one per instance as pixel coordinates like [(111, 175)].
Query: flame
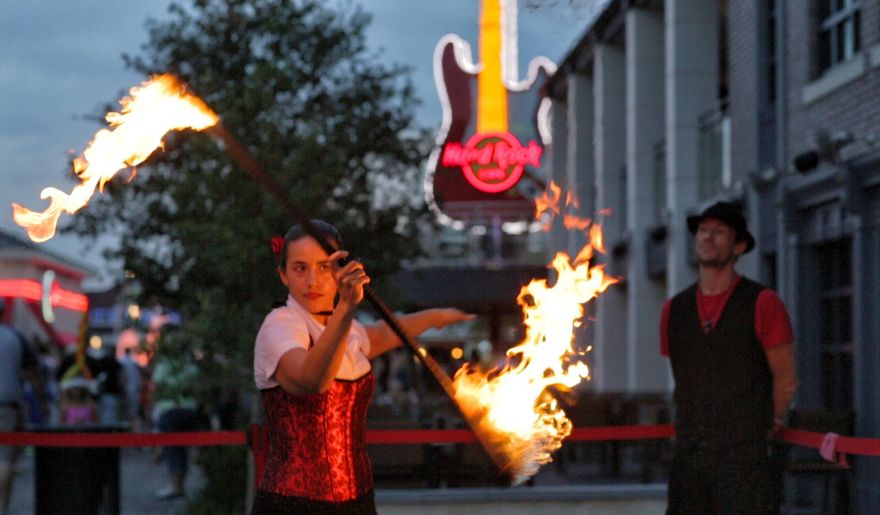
[(511, 408), (156, 107), (548, 202), (547, 207), (572, 200), (576, 223)]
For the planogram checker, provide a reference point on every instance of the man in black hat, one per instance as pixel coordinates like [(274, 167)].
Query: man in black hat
[(730, 345)]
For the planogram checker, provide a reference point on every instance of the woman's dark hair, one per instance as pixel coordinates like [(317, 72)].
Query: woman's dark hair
[(298, 231)]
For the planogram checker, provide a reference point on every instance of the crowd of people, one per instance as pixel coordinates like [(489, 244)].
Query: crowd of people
[(99, 388), (45, 386)]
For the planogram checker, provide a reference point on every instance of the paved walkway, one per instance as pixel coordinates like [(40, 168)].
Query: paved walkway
[(141, 475)]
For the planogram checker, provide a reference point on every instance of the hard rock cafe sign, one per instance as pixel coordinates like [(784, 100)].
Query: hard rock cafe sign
[(492, 162), (491, 140)]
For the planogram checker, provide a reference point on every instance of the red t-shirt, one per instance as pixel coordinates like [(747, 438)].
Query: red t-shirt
[(772, 324)]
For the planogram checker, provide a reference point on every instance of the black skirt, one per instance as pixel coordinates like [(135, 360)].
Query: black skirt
[(268, 503)]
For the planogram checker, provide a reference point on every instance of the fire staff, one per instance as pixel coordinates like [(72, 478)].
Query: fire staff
[(730, 345), (312, 366)]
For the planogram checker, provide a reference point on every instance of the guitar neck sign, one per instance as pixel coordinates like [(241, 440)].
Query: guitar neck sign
[(494, 128)]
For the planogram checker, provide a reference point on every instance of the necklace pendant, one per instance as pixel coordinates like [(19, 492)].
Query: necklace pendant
[(707, 325)]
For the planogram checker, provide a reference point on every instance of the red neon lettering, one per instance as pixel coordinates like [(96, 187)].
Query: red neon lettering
[(498, 152), (491, 174), (456, 155), (506, 156)]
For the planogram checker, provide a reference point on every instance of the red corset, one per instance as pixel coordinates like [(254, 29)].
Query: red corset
[(317, 446)]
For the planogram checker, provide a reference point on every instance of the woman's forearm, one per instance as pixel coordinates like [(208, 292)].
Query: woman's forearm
[(383, 339), (312, 371)]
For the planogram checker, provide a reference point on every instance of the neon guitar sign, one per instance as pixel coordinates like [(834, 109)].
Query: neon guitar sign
[(494, 161), (487, 142)]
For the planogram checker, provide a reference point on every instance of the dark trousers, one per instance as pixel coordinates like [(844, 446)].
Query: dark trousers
[(268, 503), (733, 479)]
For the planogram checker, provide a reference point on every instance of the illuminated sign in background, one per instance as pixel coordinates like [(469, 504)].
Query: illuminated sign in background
[(57, 310), (48, 297), (494, 126)]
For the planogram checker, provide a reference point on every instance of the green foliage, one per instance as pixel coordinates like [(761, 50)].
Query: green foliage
[(225, 471), (294, 82)]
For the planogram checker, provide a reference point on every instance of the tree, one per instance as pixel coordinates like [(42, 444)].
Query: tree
[(296, 84)]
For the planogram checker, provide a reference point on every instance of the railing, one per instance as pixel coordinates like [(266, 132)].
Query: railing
[(608, 447), (795, 436)]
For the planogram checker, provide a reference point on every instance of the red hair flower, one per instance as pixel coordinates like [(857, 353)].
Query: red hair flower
[(277, 246)]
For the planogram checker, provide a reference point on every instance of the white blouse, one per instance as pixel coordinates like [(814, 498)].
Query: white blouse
[(292, 327)]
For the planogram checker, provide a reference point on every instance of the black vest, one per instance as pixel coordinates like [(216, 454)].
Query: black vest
[(723, 385)]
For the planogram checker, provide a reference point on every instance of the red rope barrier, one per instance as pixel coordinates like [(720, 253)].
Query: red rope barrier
[(845, 444), (61, 439), (605, 433)]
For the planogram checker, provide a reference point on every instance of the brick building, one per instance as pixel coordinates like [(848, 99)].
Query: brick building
[(664, 107)]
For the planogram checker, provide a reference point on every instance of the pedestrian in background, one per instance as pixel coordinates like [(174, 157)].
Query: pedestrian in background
[(78, 406), (175, 409), (17, 362), (132, 380)]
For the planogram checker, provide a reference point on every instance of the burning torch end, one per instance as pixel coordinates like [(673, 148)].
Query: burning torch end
[(492, 442)]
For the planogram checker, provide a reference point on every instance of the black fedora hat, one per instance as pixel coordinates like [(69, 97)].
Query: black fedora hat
[(731, 215)]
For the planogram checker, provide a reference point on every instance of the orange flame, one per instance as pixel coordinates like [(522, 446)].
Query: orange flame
[(547, 206), (548, 202), (512, 407), (156, 107), (576, 223)]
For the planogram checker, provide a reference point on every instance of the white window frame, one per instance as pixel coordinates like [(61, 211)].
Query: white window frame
[(845, 19)]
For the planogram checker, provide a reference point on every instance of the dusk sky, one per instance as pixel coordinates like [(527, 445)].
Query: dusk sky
[(62, 60)]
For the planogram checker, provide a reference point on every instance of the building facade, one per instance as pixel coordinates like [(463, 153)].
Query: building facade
[(43, 292), (664, 107)]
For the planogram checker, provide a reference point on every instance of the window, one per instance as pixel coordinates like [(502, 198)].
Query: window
[(769, 276), (622, 187), (836, 325), (660, 182), (714, 174), (839, 36), (770, 51), (767, 85)]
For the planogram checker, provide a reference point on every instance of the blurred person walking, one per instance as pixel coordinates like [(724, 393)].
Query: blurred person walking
[(175, 409), (18, 362), (132, 381)]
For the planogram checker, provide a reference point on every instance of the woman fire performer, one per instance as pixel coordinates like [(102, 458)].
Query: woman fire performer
[(312, 366)]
